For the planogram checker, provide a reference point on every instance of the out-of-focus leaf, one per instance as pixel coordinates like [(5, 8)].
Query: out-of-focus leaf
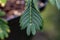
[(1, 33), (2, 21), (4, 29), (58, 4), (2, 13), (3, 2), (5, 34), (55, 2)]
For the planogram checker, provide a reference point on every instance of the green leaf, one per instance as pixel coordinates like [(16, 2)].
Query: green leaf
[(3, 21), (28, 29), (5, 34), (4, 29), (1, 33), (31, 19), (2, 13), (33, 29), (36, 4), (58, 4)]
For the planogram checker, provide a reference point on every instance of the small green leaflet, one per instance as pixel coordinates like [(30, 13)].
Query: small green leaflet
[(55, 2), (4, 29), (36, 4), (31, 19)]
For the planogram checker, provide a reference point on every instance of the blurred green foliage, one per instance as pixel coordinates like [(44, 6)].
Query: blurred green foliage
[(55, 2), (2, 13), (3, 2), (50, 18), (4, 28)]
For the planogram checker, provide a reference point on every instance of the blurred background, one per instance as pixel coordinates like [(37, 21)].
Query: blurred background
[(49, 13)]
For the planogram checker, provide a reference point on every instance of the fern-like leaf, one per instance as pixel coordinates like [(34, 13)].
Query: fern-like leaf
[(31, 19), (4, 29)]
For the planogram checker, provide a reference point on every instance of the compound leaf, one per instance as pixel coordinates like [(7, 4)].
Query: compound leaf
[(31, 19)]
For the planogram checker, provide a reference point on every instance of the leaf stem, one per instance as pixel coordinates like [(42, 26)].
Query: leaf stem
[(30, 13)]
